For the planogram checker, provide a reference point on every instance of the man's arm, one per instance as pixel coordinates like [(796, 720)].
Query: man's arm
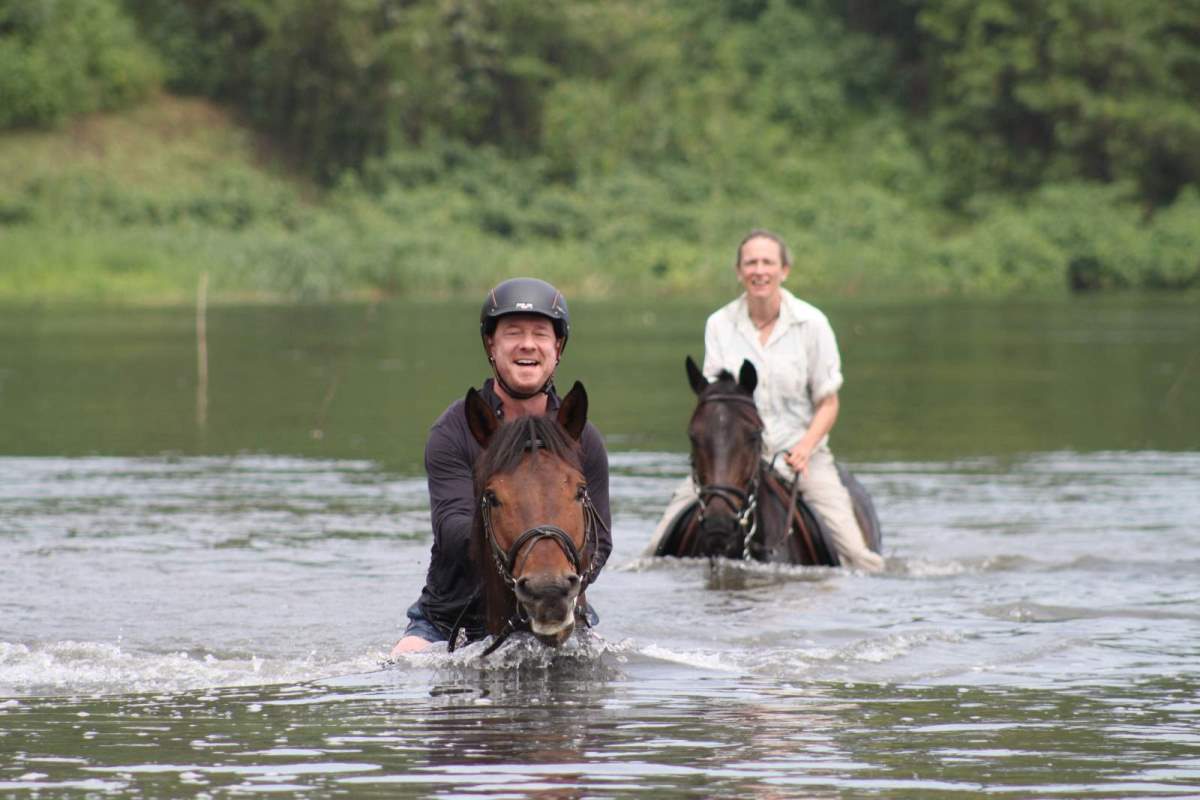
[(595, 472), (451, 501), (451, 493)]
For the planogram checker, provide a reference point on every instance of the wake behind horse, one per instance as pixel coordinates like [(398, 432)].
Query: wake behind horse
[(746, 510), (535, 538)]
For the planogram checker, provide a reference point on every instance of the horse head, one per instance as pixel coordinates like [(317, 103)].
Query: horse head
[(726, 435), (535, 535)]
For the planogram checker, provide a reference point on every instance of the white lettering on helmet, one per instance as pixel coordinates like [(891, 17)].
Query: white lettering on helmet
[(522, 306)]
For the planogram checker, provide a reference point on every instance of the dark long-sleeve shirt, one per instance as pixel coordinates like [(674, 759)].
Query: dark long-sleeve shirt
[(450, 455)]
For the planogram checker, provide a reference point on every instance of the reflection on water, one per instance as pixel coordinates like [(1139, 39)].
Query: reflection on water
[(194, 613), (628, 729), (926, 380)]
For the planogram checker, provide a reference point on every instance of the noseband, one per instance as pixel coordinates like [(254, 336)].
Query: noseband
[(744, 501), (506, 561)]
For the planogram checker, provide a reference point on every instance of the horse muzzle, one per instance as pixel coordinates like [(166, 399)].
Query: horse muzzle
[(549, 602), (721, 537)]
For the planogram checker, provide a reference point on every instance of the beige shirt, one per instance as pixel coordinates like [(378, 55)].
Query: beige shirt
[(797, 368)]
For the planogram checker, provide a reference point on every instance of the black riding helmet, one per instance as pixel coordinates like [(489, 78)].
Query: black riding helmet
[(525, 296)]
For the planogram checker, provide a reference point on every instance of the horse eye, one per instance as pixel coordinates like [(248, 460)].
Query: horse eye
[(491, 498), (581, 492)]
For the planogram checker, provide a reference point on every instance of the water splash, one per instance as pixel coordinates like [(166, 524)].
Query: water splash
[(79, 668)]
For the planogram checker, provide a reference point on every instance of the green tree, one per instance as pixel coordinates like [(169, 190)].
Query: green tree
[(338, 81), (69, 57), (1025, 91)]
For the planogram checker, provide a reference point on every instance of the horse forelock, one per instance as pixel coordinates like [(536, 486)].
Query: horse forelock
[(510, 444)]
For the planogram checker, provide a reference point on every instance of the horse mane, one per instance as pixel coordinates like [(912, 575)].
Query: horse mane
[(722, 377), (510, 443)]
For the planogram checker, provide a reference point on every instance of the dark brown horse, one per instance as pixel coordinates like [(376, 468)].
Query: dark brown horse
[(746, 510), (535, 535)]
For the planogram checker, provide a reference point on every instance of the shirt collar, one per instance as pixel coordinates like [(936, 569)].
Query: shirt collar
[(792, 311)]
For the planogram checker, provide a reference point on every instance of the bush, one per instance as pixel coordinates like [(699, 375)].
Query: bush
[(1079, 235)]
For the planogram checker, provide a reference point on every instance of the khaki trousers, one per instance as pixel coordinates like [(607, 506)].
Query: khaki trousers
[(822, 489)]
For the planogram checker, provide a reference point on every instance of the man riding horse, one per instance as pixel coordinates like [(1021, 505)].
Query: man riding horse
[(524, 324), (795, 357)]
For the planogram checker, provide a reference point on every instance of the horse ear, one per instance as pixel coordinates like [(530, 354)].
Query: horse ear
[(572, 414), (748, 376), (695, 376), (480, 418)]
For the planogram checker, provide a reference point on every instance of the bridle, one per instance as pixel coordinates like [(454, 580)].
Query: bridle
[(743, 500), (506, 560)]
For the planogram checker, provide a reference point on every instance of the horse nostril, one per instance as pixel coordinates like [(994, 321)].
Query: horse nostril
[(573, 581), (523, 585)]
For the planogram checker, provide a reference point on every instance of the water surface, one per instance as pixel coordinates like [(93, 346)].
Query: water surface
[(190, 610)]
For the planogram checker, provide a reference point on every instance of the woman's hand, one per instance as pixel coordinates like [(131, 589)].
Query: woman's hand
[(797, 458)]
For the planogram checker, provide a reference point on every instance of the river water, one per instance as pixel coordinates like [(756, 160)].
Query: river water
[(204, 608)]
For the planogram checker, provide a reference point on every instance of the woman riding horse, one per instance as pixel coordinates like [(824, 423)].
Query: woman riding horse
[(792, 347), (524, 324), (745, 509)]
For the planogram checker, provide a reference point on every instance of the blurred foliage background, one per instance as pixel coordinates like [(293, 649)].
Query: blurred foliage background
[(318, 148)]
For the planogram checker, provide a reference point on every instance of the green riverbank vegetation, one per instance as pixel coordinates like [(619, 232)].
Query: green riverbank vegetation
[(331, 148)]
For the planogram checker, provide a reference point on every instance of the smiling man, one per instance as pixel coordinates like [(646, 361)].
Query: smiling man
[(524, 325)]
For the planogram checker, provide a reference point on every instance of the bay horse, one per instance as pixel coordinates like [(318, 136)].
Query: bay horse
[(745, 510), (535, 537)]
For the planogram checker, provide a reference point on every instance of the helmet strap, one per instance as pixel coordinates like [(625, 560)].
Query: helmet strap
[(517, 395)]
